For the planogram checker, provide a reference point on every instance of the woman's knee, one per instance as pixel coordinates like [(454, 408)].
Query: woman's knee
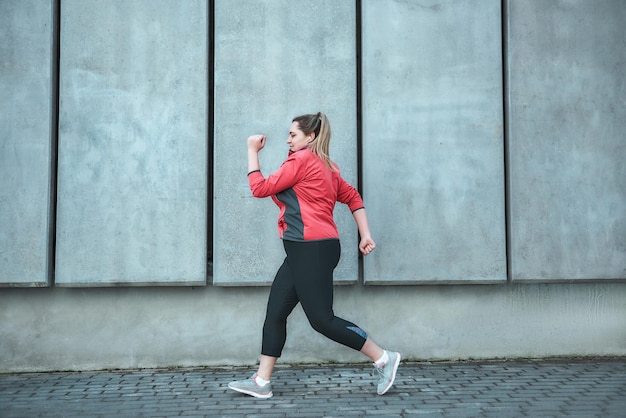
[(321, 324), (275, 317)]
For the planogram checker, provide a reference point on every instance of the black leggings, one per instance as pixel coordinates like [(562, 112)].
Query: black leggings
[(306, 276)]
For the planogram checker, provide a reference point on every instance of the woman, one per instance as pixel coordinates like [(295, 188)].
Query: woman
[(306, 188)]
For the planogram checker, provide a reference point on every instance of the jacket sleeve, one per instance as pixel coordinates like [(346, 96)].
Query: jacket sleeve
[(285, 177), (349, 195)]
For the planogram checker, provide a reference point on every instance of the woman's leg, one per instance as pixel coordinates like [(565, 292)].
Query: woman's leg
[(312, 264), (280, 304), (372, 350), (266, 367)]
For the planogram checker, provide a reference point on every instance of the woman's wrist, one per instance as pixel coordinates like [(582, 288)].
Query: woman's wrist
[(253, 160)]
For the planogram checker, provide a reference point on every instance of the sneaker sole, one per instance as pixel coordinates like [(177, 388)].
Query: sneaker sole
[(252, 393), (396, 364)]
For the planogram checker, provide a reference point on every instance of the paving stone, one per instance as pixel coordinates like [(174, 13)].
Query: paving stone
[(581, 387)]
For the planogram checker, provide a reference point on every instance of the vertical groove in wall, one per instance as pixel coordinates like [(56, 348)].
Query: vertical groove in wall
[(505, 132), (359, 127), (210, 136), (359, 123), (54, 136)]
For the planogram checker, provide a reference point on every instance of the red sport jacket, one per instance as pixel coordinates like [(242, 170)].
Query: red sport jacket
[(306, 190)]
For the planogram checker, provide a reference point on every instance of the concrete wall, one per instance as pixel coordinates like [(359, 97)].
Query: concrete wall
[(25, 141), (439, 152), (270, 66), (133, 161), (433, 141), (567, 102), (82, 329)]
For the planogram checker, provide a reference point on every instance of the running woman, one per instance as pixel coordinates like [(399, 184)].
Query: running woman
[(305, 188)]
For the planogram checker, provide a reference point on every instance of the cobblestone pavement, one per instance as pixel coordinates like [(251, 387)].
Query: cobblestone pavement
[(547, 388)]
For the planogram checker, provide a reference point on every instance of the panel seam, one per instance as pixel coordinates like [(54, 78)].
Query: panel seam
[(210, 138), (55, 80), (505, 136), (359, 123)]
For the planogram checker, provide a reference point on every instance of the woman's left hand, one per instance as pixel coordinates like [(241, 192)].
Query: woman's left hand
[(367, 245)]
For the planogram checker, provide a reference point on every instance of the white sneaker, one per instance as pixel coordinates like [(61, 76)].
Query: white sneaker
[(250, 387), (387, 372)]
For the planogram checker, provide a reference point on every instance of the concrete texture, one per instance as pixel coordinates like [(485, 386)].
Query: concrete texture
[(567, 101), (25, 158), (133, 172), (132, 188), (83, 329), (275, 60), (433, 170)]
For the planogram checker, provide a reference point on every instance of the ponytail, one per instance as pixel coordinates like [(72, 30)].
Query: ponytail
[(318, 125)]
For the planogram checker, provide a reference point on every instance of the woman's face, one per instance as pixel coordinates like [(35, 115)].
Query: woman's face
[(297, 139)]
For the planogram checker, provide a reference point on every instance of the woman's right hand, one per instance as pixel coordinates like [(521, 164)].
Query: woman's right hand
[(367, 245), (256, 142)]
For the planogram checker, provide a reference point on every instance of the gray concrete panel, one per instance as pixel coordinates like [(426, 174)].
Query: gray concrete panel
[(567, 120), (433, 168), (25, 120), (275, 60), (132, 143), (82, 329)]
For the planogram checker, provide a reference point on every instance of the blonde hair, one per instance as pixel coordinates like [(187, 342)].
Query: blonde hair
[(318, 125)]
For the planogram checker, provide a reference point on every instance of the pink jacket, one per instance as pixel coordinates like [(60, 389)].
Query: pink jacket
[(305, 190)]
